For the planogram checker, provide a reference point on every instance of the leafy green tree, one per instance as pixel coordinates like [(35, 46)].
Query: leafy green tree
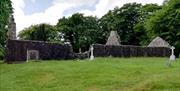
[(6, 11), (123, 20), (107, 24), (166, 24), (80, 31), (146, 12), (129, 17), (40, 32)]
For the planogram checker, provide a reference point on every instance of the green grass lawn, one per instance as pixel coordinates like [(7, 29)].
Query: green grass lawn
[(102, 74)]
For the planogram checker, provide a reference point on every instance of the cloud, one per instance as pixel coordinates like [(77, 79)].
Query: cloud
[(105, 5), (51, 15), (33, 1), (77, 2), (59, 7)]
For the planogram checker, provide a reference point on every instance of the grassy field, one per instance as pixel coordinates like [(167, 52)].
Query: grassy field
[(102, 74)]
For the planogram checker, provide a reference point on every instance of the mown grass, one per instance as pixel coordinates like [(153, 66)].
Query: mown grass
[(102, 74)]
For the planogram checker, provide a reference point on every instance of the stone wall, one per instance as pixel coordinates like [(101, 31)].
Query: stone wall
[(17, 50), (130, 51), (82, 55)]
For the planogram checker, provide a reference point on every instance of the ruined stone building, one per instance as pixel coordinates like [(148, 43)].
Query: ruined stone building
[(11, 28)]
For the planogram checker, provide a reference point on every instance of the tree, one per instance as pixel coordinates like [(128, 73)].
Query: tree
[(40, 32), (123, 20), (80, 31), (166, 24), (146, 12), (6, 11), (107, 24)]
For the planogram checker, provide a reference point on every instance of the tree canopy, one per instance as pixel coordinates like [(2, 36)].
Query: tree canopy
[(80, 31), (6, 11), (146, 12), (40, 32), (166, 24), (122, 20)]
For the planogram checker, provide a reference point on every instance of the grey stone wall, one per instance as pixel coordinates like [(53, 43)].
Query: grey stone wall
[(130, 51), (82, 55), (17, 50)]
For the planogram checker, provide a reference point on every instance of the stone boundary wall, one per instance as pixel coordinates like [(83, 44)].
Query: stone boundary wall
[(17, 50), (130, 51)]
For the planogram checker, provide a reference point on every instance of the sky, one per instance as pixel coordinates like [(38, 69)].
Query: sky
[(30, 12)]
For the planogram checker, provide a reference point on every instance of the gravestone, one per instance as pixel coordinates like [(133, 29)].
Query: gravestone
[(91, 51), (172, 57)]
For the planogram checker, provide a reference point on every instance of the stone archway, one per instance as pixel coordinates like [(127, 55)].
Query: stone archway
[(32, 55)]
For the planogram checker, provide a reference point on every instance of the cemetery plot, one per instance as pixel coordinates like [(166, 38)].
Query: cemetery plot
[(101, 74)]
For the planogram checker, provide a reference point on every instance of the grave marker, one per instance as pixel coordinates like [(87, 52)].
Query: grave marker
[(91, 51), (172, 57)]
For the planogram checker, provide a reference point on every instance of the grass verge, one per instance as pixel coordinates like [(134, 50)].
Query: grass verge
[(102, 74)]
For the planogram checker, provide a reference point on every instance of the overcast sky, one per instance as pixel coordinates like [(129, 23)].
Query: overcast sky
[(28, 12)]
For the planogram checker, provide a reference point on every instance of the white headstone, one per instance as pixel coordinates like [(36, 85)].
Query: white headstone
[(92, 56), (172, 57)]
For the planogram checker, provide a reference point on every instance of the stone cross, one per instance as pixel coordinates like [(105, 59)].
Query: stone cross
[(172, 57), (91, 51)]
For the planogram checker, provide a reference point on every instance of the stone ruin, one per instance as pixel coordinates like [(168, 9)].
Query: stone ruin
[(113, 39), (159, 42), (157, 48), (12, 28), (24, 50), (32, 55), (21, 50)]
